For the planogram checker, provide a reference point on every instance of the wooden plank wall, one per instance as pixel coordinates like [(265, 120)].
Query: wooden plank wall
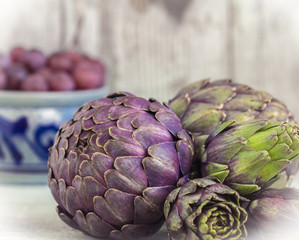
[(153, 47)]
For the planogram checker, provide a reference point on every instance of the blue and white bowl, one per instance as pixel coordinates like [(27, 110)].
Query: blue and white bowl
[(28, 124)]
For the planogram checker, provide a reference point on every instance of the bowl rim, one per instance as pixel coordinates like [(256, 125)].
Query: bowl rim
[(10, 98)]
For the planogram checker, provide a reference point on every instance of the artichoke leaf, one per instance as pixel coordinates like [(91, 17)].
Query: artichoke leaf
[(218, 130), (271, 170), (281, 151), (262, 140), (246, 165), (180, 104), (245, 189), (217, 170)]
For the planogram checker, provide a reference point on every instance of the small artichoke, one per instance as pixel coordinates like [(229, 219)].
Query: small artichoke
[(251, 155), (112, 166), (203, 209), (204, 105), (274, 214)]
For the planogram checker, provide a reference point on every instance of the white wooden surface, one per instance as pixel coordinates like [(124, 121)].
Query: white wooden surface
[(28, 213), (153, 47)]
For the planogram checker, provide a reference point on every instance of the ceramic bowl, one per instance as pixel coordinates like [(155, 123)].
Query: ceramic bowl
[(28, 124)]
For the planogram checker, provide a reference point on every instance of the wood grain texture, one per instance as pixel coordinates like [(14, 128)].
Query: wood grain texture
[(154, 47), (266, 47), (31, 23), (155, 54)]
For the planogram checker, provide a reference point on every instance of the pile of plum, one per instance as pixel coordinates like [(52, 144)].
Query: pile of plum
[(31, 70)]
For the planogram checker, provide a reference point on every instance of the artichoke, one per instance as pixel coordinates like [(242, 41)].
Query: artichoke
[(251, 155), (112, 166), (274, 214), (203, 209), (204, 105)]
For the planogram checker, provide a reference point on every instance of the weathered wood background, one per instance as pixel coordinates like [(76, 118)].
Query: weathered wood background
[(153, 47)]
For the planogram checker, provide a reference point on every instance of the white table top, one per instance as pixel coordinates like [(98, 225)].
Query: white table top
[(28, 213)]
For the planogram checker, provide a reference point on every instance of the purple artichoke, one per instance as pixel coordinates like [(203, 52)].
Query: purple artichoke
[(252, 155), (112, 166), (274, 214), (203, 209), (204, 105)]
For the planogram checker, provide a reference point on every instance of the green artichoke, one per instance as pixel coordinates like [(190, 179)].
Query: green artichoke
[(204, 105), (251, 155), (112, 166), (203, 209), (274, 214)]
